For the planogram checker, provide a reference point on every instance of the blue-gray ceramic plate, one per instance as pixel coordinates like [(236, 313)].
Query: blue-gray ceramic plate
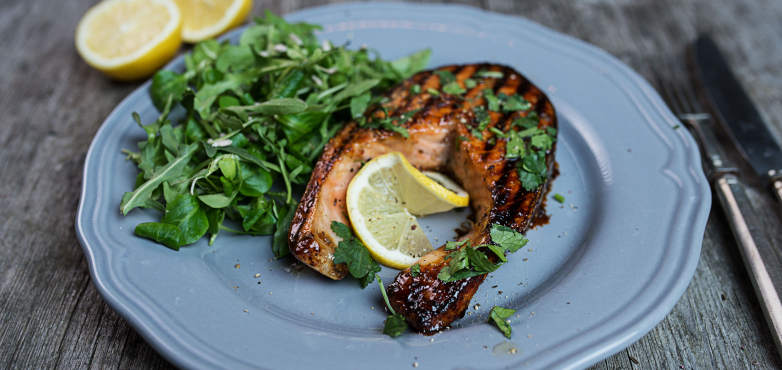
[(615, 258)]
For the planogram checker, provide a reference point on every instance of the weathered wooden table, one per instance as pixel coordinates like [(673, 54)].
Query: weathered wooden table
[(52, 103)]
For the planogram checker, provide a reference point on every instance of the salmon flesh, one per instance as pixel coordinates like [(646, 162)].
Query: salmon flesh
[(440, 139)]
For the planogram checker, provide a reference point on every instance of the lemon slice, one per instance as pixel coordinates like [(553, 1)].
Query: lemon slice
[(129, 39), (383, 201), (204, 19)]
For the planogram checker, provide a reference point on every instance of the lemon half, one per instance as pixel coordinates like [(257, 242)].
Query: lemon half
[(204, 19), (383, 201), (129, 39)]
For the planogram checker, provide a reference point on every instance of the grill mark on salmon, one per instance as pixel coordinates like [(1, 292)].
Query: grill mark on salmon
[(437, 142)]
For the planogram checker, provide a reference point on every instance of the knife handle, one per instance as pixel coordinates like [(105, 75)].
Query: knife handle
[(777, 185), (752, 241)]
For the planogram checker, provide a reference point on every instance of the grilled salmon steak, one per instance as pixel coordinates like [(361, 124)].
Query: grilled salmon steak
[(444, 137)]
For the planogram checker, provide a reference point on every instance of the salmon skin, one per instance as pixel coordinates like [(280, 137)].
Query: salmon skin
[(441, 138)]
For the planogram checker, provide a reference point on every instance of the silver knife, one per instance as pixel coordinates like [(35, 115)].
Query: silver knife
[(735, 111)]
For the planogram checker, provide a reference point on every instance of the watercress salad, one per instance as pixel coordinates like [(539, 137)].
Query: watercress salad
[(255, 114)]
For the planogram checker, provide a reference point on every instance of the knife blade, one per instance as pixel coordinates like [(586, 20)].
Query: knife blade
[(736, 112)]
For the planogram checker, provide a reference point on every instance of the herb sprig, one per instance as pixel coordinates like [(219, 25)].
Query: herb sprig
[(466, 261), (354, 253), (499, 315), (255, 114)]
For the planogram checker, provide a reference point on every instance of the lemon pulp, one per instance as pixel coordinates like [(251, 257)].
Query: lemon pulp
[(383, 200), (129, 39)]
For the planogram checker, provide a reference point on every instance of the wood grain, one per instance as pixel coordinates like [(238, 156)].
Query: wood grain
[(52, 104)]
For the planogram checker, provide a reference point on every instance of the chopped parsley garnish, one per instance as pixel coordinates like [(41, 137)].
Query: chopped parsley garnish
[(492, 101), (415, 270), (395, 323), (482, 116), (361, 265), (532, 170), (466, 261), (394, 124), (433, 92), (353, 253), (453, 88), (514, 103), (446, 77), (499, 315), (415, 89), (531, 120), (559, 198), (470, 83)]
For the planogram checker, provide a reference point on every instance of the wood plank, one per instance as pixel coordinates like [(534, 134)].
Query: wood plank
[(53, 104)]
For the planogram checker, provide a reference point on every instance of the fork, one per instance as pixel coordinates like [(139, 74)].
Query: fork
[(759, 257)]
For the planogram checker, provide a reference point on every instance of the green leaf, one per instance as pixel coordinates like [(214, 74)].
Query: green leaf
[(499, 315), (217, 200), (207, 95), (395, 325), (160, 232), (288, 87), (261, 220), (194, 131), (352, 252), (507, 238), (226, 101), (541, 140), (215, 218), (492, 101), (359, 104), (187, 213), (446, 77), (409, 65), (482, 116), (533, 170), (449, 245), (355, 90), (184, 223), (235, 59), (169, 172), (296, 126), (415, 270), (516, 102), (280, 241), (169, 139), (453, 88), (480, 262), (277, 106), (530, 181), (153, 204), (255, 180), (228, 167), (167, 84)]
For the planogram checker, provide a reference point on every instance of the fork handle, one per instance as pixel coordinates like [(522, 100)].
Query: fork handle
[(756, 250), (777, 186), (715, 162)]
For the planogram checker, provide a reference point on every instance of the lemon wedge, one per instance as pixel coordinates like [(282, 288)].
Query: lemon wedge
[(129, 39), (204, 19), (383, 201)]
